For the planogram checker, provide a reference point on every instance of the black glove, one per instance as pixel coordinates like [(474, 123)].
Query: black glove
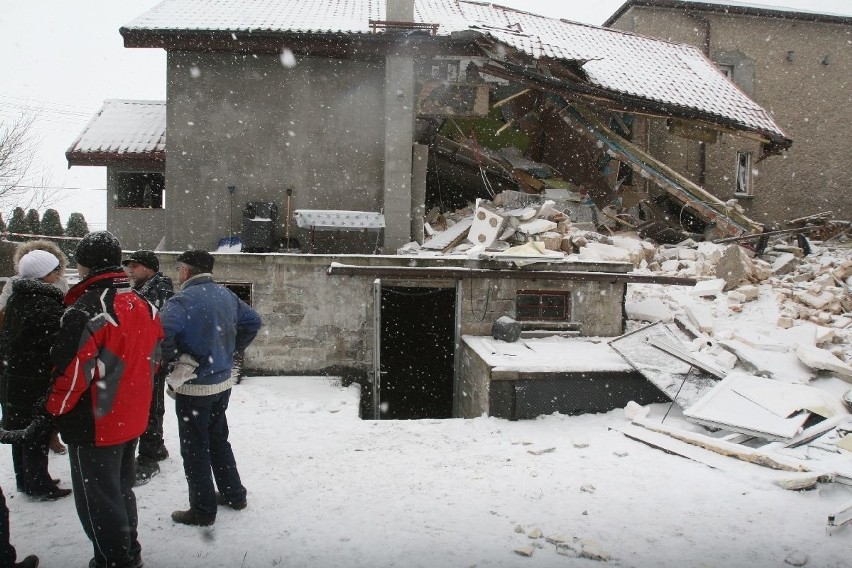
[(40, 424)]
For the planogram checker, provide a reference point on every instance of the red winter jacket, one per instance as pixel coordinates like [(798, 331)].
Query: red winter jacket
[(107, 350)]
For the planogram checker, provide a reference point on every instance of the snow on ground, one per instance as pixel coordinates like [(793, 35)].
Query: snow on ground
[(327, 489)]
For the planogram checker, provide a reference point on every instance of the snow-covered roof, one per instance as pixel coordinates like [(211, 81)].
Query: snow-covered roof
[(675, 75), (122, 130), (843, 13)]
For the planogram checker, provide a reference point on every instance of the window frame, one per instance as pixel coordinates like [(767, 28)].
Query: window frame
[(120, 187), (522, 309), (743, 184)]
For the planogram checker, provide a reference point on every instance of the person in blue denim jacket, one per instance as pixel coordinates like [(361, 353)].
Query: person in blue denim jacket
[(204, 325)]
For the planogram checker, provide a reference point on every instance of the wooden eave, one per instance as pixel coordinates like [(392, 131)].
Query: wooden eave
[(340, 45), (155, 161)]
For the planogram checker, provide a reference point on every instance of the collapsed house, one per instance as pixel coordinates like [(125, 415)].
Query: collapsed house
[(394, 108), (347, 130)]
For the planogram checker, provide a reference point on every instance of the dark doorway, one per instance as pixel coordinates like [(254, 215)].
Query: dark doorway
[(416, 353)]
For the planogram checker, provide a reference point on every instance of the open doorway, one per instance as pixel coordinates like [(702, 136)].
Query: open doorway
[(417, 344)]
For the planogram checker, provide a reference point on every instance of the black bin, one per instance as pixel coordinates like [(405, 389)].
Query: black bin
[(259, 221)]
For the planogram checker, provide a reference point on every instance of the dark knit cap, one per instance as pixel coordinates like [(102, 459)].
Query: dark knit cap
[(145, 258), (99, 249), (199, 259)]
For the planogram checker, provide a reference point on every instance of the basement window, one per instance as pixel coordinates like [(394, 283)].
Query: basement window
[(744, 187), (241, 289), (139, 190), (532, 305)]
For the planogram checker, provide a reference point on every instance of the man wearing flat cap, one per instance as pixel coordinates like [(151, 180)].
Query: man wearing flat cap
[(143, 268), (104, 359), (204, 324)]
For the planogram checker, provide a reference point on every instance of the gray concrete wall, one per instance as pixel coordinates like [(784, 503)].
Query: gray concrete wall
[(807, 98), (314, 322), (399, 135), (248, 121), (135, 228)]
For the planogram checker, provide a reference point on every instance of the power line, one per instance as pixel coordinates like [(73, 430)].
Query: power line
[(61, 187)]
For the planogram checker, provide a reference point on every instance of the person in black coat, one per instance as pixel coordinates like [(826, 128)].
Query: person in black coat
[(143, 269), (29, 330)]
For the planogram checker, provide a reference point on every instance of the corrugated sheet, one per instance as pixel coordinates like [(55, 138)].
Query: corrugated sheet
[(620, 62), (124, 127)]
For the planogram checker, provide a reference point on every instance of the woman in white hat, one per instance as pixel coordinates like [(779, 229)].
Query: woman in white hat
[(33, 313)]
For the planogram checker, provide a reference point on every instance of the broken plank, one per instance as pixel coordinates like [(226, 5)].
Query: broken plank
[(743, 453), (784, 479), (683, 355), (451, 237), (838, 519)]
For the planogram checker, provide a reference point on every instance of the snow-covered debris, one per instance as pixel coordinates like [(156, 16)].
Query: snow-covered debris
[(821, 359)]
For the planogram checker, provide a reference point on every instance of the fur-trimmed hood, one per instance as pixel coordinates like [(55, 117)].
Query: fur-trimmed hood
[(40, 244)]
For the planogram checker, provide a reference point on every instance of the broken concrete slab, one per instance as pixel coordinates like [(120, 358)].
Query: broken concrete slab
[(700, 316), (734, 266), (650, 310), (785, 263), (706, 288), (823, 360)]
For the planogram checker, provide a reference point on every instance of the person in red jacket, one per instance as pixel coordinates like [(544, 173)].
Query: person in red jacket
[(105, 355)]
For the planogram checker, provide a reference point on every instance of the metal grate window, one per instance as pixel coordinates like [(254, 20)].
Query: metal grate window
[(543, 305)]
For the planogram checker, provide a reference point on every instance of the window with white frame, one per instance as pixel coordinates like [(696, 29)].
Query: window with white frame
[(744, 186)]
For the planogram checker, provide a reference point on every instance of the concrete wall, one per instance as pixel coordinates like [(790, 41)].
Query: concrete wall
[(248, 121), (135, 228), (316, 323), (808, 99)]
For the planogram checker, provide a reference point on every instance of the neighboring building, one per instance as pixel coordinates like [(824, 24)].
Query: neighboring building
[(337, 106), (797, 65)]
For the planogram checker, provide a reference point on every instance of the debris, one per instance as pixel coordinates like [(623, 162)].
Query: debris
[(796, 559), (839, 519), (519, 529), (524, 551), (587, 488), (784, 264), (541, 452), (823, 360), (650, 310), (535, 533), (704, 288)]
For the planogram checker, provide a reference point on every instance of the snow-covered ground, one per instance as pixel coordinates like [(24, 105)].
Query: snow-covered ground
[(328, 489)]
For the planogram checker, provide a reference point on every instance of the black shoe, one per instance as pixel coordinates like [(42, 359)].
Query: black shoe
[(30, 561), (237, 505), (145, 470), (193, 517), (52, 495), (136, 562)]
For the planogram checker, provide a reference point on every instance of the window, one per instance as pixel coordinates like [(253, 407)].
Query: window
[(241, 289), (139, 190), (543, 305), (743, 174), (727, 70)]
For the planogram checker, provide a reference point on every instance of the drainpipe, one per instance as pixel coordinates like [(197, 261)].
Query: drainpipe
[(702, 154)]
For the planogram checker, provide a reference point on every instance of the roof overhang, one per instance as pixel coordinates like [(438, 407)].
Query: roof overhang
[(155, 161), (728, 8)]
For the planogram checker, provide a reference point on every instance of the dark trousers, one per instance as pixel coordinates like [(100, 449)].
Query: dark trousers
[(29, 458), (204, 447), (151, 442), (103, 479), (7, 551)]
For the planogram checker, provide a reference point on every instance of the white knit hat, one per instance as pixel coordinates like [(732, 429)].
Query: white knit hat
[(37, 264)]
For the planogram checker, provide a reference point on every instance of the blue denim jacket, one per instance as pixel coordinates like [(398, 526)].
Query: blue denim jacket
[(208, 322)]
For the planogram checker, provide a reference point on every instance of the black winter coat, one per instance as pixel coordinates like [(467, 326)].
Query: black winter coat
[(157, 290), (30, 327)]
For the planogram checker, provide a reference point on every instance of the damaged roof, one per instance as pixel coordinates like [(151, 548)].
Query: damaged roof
[(653, 75), (123, 132)]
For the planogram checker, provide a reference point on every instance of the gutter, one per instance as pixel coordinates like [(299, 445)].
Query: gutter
[(410, 272)]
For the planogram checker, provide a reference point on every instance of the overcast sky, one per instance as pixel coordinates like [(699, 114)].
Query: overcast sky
[(62, 58)]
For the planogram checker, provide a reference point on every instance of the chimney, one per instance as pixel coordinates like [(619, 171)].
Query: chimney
[(400, 10)]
